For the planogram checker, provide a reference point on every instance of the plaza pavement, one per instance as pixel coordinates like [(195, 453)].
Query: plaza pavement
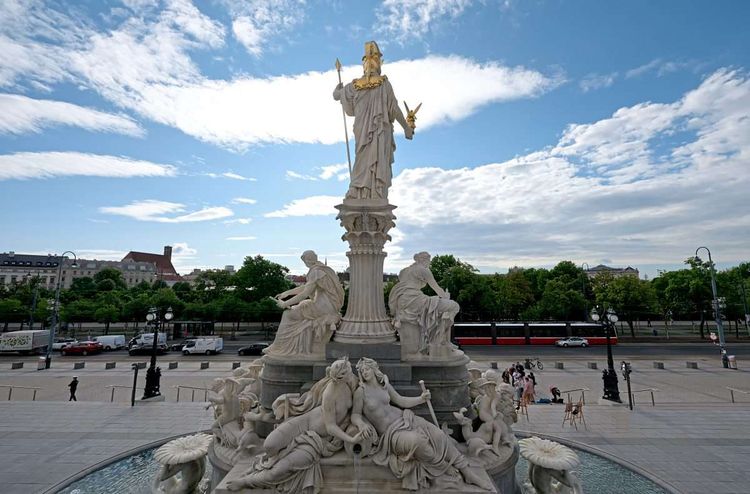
[(694, 440)]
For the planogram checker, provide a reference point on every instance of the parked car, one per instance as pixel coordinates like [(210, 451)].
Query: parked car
[(206, 346), (82, 348), (61, 342), (112, 341), (253, 348), (177, 347), (573, 341), (146, 349)]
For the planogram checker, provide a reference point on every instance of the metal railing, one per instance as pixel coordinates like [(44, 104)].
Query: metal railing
[(735, 390), (114, 387), (647, 390), (193, 390), (582, 390), (12, 387)]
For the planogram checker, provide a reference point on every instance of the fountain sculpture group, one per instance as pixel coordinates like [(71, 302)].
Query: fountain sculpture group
[(302, 420)]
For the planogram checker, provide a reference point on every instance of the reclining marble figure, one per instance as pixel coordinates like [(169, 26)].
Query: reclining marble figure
[(291, 462), (312, 311), (416, 451)]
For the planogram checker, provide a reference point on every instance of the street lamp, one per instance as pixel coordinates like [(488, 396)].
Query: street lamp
[(153, 374), (583, 280), (609, 376), (56, 311), (717, 309)]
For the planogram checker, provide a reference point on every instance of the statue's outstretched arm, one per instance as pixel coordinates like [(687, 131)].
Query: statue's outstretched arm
[(405, 401)]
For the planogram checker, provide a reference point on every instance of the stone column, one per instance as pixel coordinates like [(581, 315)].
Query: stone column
[(367, 223)]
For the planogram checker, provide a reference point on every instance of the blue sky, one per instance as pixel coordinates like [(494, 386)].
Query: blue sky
[(550, 130)]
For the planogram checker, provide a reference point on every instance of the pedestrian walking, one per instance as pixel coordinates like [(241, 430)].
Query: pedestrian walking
[(73, 386), (528, 391), (533, 378)]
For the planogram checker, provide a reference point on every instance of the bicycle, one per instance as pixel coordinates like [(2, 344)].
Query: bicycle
[(533, 364)]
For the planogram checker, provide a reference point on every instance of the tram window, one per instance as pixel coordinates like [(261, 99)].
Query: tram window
[(548, 331), (510, 331), (587, 330), (468, 330)]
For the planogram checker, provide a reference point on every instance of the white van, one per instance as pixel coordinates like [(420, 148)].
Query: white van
[(112, 341), (206, 346)]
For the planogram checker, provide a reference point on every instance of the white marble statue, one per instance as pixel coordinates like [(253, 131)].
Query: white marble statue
[(416, 451), (183, 464), (550, 467), (291, 463), (432, 314), (372, 103), (494, 430), (313, 312)]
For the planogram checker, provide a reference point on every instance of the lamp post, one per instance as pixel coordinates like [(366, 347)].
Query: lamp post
[(744, 305), (585, 302), (56, 311), (609, 376), (717, 309), (153, 374)]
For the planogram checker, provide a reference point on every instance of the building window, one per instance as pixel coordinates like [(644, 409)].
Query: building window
[(12, 280)]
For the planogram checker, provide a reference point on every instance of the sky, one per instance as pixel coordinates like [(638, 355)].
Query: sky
[(589, 131)]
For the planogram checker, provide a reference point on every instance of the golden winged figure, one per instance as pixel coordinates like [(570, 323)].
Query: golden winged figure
[(411, 115)]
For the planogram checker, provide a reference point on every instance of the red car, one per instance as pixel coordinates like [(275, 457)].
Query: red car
[(82, 348)]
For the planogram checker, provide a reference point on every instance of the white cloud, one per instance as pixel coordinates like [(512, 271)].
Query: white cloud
[(59, 164), (240, 221), (241, 238), (231, 175), (248, 111), (308, 206), (164, 212), (661, 67), (597, 81), (21, 114), (144, 65), (184, 257), (187, 18), (339, 171), (646, 185), (412, 19), (256, 23), (244, 200)]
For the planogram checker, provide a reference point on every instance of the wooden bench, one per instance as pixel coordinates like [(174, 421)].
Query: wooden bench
[(16, 365), (173, 365), (658, 365), (592, 365), (110, 365), (691, 365), (235, 365), (79, 365), (204, 365), (559, 365)]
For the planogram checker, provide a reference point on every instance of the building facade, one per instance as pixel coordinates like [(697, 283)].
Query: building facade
[(615, 272), (21, 268), (165, 271)]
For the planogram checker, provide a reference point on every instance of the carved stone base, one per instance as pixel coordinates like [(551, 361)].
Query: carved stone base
[(410, 345), (446, 378), (340, 477)]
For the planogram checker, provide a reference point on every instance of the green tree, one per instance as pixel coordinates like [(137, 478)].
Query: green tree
[(559, 301), (106, 314), (114, 276), (259, 278), (11, 310), (514, 294), (629, 296)]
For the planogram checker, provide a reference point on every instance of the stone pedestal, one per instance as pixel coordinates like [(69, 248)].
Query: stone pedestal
[(341, 476), (367, 223)]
